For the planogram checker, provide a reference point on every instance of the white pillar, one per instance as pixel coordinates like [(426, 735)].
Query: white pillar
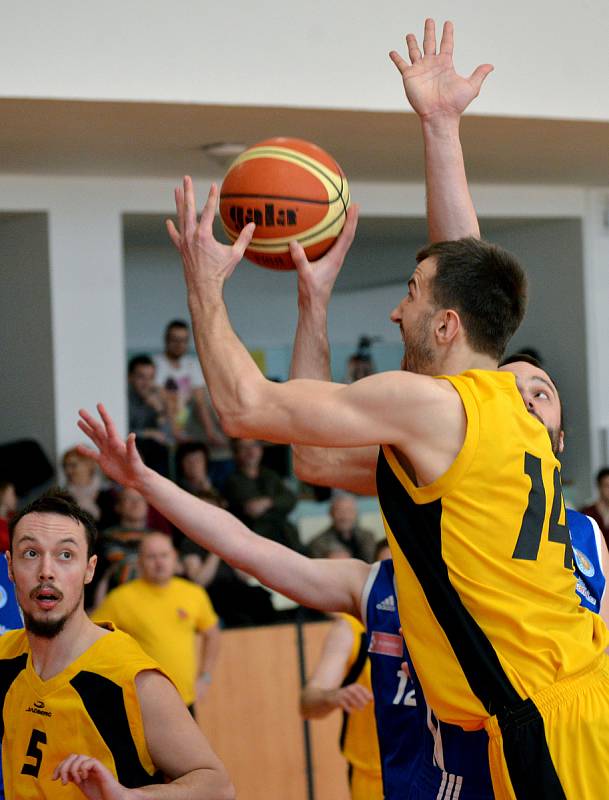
[(87, 309), (596, 278)]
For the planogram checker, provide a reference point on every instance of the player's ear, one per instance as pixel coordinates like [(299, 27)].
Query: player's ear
[(448, 325), (9, 563), (90, 571), (561, 441)]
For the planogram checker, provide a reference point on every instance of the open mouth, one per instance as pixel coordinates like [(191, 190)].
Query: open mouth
[(46, 598)]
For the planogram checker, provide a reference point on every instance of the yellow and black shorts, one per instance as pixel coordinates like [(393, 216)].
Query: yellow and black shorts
[(554, 745)]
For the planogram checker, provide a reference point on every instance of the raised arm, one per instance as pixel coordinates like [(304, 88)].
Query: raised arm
[(439, 96), (397, 408), (352, 469), (326, 584)]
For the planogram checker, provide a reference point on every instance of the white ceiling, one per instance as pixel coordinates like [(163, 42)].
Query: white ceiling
[(148, 139)]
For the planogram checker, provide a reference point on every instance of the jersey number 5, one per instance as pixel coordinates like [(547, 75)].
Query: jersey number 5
[(33, 751), (529, 538)]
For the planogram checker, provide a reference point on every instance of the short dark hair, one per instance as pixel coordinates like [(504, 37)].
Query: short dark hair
[(56, 501), (602, 473), (176, 323), (185, 449), (139, 361), (485, 284)]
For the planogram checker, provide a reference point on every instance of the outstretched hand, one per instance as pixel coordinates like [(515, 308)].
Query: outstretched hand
[(206, 261), (432, 86), (316, 279), (117, 458), (94, 780)]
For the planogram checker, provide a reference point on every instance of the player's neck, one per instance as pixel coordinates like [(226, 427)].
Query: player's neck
[(462, 359), (52, 656)]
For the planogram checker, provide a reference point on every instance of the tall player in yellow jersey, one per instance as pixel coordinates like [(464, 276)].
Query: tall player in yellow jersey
[(81, 703), (468, 484)]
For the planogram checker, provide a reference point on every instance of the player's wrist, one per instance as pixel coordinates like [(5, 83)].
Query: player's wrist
[(441, 124)]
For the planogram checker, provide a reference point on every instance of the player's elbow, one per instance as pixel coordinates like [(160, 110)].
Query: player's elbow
[(305, 467), (240, 414)]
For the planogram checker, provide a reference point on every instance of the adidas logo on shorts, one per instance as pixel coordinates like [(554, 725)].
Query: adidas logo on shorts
[(388, 604)]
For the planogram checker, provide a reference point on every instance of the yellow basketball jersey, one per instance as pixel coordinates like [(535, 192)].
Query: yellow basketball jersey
[(90, 708), (359, 741), (483, 562)]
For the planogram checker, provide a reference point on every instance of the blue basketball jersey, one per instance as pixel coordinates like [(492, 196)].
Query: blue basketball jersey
[(10, 619), (454, 763), (399, 732), (10, 614), (586, 541)]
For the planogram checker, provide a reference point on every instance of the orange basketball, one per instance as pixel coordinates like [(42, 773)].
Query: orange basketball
[(291, 189)]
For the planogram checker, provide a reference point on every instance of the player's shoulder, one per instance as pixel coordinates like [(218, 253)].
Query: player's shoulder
[(13, 643)]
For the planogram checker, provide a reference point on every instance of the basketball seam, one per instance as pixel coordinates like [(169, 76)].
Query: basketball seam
[(317, 166), (267, 247)]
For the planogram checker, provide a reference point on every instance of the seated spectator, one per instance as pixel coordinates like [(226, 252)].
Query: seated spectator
[(147, 417), (8, 506), (118, 546), (169, 617), (344, 532), (236, 601), (191, 469), (258, 496), (599, 510), (83, 481)]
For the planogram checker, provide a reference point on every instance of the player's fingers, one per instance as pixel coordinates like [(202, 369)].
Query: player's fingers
[(173, 233), (91, 427), (132, 453), (63, 769), (400, 62), (479, 75), (179, 199), (109, 425), (447, 43), (86, 452), (245, 237), (190, 208), (299, 257), (209, 211), (414, 52), (429, 37), (346, 236)]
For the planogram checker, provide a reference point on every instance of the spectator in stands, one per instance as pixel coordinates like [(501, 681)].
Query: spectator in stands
[(147, 414), (8, 506), (237, 602), (344, 532), (169, 617), (599, 510), (259, 497), (83, 481), (191, 468), (118, 546), (179, 376)]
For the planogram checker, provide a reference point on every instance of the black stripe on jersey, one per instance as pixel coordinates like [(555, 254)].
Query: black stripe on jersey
[(417, 530), (9, 669), (104, 702), (351, 677)]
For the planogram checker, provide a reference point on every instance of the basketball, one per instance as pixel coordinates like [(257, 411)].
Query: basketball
[(291, 189)]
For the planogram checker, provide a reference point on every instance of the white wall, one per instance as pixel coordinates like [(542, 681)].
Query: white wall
[(551, 58), (27, 401)]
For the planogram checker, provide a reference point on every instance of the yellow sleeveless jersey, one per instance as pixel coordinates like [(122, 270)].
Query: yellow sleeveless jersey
[(483, 562), (90, 708), (359, 740)]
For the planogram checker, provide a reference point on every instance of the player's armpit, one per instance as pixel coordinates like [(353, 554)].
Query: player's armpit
[(351, 468), (190, 762)]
